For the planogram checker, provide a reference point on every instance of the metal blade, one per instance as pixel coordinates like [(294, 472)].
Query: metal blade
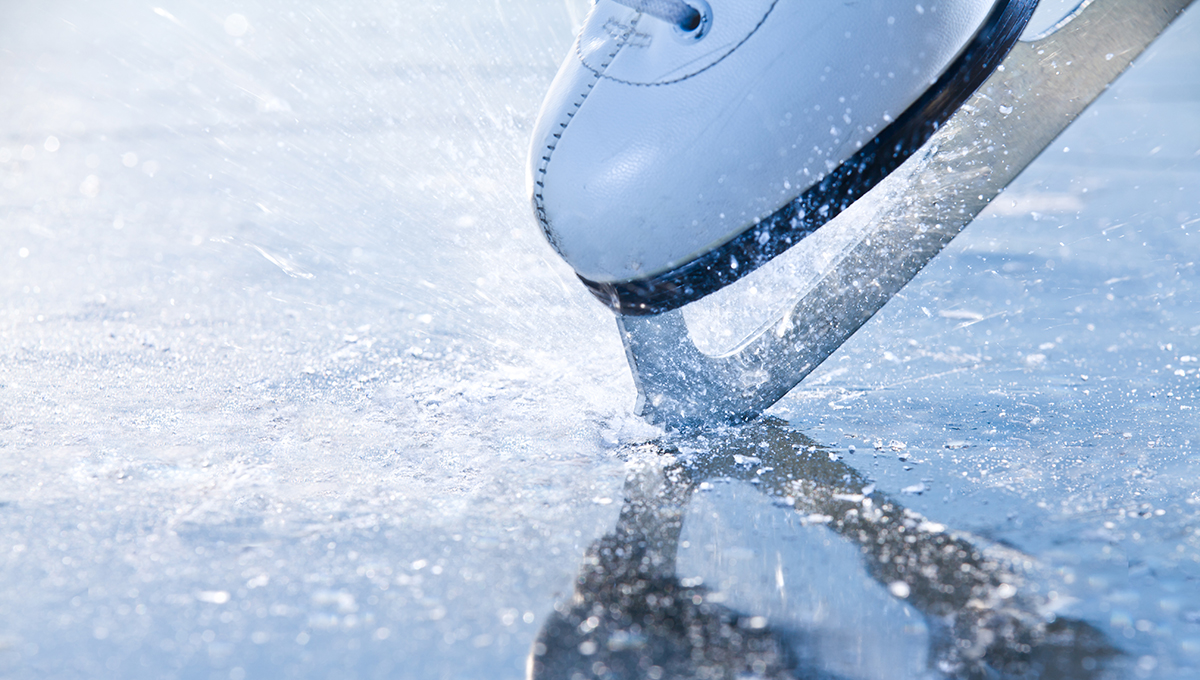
[(1034, 95)]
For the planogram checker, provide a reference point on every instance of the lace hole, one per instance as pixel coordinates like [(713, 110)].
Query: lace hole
[(699, 25)]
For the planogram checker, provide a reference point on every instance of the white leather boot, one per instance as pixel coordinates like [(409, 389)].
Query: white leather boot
[(682, 145)]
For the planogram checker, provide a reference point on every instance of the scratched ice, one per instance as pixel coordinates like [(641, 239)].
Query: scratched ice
[(290, 385)]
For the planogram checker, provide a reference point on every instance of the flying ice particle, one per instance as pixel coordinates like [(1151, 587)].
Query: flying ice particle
[(236, 25), (90, 186)]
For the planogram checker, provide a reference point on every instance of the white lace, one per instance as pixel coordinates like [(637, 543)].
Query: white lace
[(676, 12)]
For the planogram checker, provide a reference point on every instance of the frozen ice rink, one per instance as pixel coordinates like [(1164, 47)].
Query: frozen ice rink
[(292, 386)]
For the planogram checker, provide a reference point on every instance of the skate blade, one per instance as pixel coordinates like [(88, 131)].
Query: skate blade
[(899, 226)]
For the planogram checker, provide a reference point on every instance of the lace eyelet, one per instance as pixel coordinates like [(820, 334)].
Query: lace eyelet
[(702, 26)]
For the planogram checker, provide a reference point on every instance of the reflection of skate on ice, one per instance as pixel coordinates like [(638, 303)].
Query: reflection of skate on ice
[(665, 167), (986, 605)]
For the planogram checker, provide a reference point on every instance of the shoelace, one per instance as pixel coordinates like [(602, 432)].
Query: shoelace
[(675, 12)]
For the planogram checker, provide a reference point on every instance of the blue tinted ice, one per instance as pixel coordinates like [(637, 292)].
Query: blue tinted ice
[(290, 385)]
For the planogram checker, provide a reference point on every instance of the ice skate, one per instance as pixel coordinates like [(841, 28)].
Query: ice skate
[(669, 162), (678, 151)]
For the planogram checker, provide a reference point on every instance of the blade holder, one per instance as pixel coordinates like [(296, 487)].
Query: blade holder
[(1038, 91)]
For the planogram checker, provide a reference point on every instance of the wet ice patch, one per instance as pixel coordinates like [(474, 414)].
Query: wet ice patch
[(765, 559)]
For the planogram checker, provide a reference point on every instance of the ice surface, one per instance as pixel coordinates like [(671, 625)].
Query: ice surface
[(290, 385), (770, 563)]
